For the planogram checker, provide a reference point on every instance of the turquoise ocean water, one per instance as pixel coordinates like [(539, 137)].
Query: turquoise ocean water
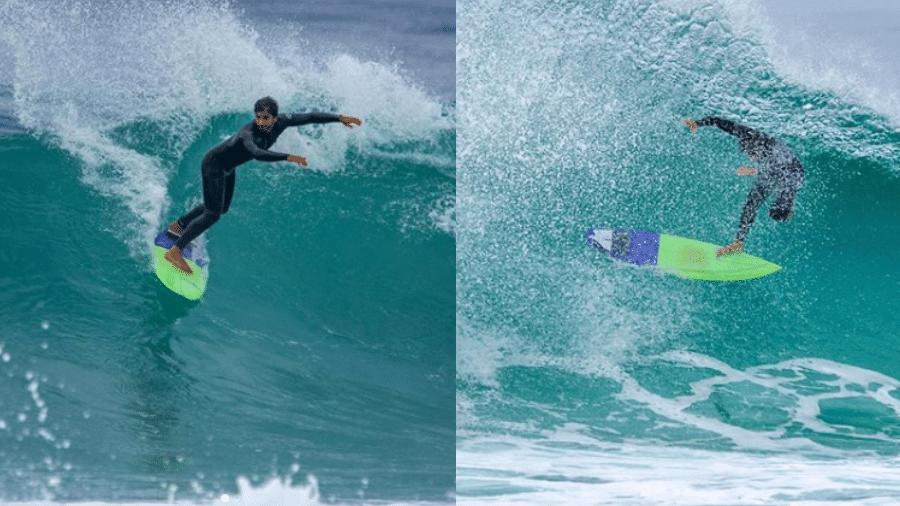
[(581, 381), (318, 367)]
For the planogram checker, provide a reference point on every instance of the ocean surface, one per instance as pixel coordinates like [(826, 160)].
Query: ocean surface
[(319, 366), (580, 381)]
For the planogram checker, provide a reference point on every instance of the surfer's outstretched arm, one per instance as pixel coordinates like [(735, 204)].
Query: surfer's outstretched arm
[(318, 117), (728, 126), (725, 125)]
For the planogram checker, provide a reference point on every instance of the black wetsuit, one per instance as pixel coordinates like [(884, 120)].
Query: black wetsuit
[(217, 169), (779, 170)]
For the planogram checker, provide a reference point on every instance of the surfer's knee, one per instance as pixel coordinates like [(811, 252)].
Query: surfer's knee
[(211, 217)]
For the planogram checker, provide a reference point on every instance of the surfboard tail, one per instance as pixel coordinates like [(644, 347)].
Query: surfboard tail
[(639, 247)]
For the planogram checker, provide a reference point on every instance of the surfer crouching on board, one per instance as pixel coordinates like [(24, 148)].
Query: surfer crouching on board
[(217, 168), (780, 171)]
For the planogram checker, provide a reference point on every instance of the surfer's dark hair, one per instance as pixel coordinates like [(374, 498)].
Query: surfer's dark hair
[(266, 104)]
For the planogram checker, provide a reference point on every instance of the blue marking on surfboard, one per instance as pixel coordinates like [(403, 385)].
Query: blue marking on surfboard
[(164, 241), (639, 247)]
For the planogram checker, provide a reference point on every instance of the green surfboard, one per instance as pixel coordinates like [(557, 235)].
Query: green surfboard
[(190, 286), (687, 258)]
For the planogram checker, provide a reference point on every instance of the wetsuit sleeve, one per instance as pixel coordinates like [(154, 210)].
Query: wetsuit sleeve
[(309, 117), (727, 126), (261, 154)]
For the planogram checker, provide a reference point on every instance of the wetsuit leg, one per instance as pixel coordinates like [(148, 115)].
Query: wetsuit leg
[(758, 194), (194, 213), (229, 190), (191, 215), (783, 207), (214, 190)]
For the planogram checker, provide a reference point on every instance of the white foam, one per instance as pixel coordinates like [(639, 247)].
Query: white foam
[(480, 354), (443, 214), (569, 467), (797, 388), (805, 408), (271, 492), (84, 69), (137, 180), (847, 48)]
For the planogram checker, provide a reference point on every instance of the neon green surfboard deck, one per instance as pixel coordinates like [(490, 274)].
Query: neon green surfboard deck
[(190, 286), (694, 259)]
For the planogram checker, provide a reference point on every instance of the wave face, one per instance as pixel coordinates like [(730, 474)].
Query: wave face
[(573, 371), (321, 353)]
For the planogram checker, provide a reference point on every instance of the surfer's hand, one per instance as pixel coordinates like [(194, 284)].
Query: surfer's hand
[(299, 160), (691, 124), (746, 171), (349, 121)]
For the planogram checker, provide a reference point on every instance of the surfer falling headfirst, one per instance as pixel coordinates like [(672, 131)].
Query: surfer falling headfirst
[(217, 168), (779, 171)]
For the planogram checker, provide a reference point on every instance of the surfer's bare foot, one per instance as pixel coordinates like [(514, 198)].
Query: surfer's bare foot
[(174, 257), (175, 228), (735, 247)]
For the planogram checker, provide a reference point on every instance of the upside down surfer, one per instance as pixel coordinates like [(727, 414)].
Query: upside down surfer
[(780, 172), (218, 167)]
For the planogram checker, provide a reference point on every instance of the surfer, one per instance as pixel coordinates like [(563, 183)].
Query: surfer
[(780, 171), (218, 167)]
